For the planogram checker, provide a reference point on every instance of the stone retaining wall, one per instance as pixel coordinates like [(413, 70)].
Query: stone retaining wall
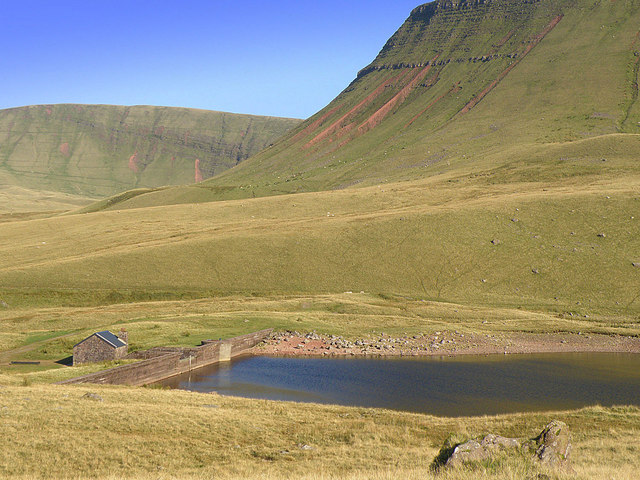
[(164, 362), (139, 373)]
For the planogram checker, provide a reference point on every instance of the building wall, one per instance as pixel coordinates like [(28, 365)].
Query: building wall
[(92, 350)]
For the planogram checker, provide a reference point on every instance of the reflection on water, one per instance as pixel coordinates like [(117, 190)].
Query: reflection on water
[(452, 386)]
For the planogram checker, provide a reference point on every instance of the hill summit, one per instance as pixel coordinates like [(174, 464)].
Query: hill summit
[(468, 84)]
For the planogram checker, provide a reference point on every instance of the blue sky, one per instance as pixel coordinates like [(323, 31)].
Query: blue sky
[(283, 58)]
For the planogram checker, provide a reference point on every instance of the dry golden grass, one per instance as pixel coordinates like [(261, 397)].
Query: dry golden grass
[(53, 432), (15, 201)]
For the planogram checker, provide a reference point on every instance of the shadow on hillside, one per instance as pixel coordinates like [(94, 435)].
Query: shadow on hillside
[(67, 361)]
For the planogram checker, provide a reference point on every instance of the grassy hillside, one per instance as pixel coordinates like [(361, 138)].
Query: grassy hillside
[(567, 245), (20, 203), (461, 85), (100, 150)]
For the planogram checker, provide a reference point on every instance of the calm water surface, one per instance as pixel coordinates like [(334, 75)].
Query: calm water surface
[(451, 386)]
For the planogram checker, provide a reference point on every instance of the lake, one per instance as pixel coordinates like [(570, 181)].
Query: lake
[(447, 386)]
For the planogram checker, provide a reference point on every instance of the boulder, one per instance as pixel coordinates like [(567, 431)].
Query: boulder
[(469, 451), (553, 445), (474, 451), (496, 442)]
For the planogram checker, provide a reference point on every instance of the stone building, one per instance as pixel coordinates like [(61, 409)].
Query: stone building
[(101, 347)]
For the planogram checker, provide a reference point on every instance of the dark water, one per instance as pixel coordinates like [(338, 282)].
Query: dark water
[(450, 386)]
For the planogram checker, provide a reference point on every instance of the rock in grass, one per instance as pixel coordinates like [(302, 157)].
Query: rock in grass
[(92, 396), (469, 451), (553, 445), (474, 451), (3, 304)]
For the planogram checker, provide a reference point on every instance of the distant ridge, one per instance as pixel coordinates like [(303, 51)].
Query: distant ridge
[(100, 150)]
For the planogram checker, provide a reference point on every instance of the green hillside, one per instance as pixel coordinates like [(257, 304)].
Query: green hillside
[(563, 247), (461, 85), (100, 150)]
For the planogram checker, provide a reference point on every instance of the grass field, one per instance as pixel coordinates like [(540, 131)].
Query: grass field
[(18, 203)]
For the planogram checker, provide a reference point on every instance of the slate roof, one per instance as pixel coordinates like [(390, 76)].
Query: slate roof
[(108, 337)]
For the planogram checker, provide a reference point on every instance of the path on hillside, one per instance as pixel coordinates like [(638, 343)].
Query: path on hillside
[(8, 355)]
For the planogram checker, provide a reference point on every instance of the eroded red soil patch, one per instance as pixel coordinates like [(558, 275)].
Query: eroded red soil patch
[(534, 42), (399, 98), (198, 178), (453, 89), (315, 124), (133, 163), (370, 98), (504, 40), (64, 149)]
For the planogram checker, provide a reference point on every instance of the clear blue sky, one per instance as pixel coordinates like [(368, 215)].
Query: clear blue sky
[(282, 58)]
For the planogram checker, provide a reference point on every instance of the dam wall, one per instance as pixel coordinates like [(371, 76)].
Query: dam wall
[(163, 362)]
